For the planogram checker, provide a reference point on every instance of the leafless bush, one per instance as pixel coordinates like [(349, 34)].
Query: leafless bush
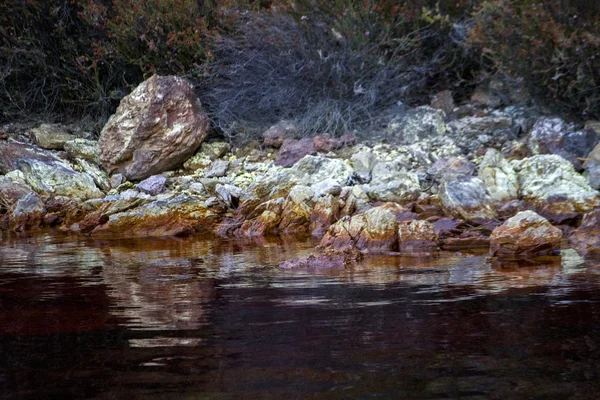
[(275, 67)]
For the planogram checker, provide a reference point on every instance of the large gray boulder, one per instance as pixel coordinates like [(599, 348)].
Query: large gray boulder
[(467, 198), (155, 128)]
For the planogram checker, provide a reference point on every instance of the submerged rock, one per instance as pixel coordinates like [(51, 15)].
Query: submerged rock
[(323, 260), (586, 239), (525, 234), (416, 124), (155, 128)]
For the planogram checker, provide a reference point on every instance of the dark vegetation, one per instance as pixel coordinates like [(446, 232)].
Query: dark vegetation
[(333, 66)]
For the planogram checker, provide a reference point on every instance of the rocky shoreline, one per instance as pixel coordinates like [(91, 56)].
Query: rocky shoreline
[(510, 180)]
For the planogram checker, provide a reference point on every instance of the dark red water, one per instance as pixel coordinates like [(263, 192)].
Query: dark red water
[(213, 319)]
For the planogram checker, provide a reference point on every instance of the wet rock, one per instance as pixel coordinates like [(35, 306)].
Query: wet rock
[(467, 198), (466, 240), (176, 216), (586, 239), (417, 236), (416, 124), (499, 176), (83, 149), (593, 125), (217, 169), (155, 128), (153, 185), (551, 184), (443, 101), (325, 143), (328, 259), (46, 173), (592, 167), (450, 168), (278, 133), (293, 150), (363, 163), (11, 192), (28, 213), (445, 227), (324, 214), (373, 231), (525, 234), (297, 210), (50, 136)]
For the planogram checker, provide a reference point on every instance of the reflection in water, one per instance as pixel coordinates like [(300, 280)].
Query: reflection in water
[(206, 318)]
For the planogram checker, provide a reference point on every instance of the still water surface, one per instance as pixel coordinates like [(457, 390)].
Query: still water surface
[(200, 318)]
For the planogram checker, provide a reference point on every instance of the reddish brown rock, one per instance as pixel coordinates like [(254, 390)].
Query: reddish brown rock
[(466, 240), (28, 213), (324, 214), (276, 135), (11, 192), (325, 143), (417, 236), (328, 259), (443, 101), (295, 216), (586, 239), (293, 150), (155, 128), (525, 234), (374, 231), (268, 217)]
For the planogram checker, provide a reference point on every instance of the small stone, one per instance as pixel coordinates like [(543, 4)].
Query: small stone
[(50, 136), (153, 185), (217, 169), (116, 180), (525, 234), (82, 148), (450, 168)]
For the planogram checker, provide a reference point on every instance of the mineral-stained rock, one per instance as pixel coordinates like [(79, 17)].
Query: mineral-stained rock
[(153, 185), (498, 176), (229, 194), (50, 136), (312, 169), (592, 167), (417, 236), (363, 163), (324, 214), (293, 150), (374, 231), (353, 200), (297, 210), (525, 234), (208, 153), (391, 182), (586, 239), (323, 260), (176, 216), (554, 188), (11, 192), (268, 216), (276, 135), (217, 169), (28, 213), (467, 198), (416, 124), (46, 173), (100, 177), (155, 128), (83, 149)]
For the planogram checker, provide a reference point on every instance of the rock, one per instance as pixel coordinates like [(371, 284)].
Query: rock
[(297, 210), (586, 239), (325, 143), (353, 199), (116, 180), (50, 136), (363, 163), (217, 169), (417, 236), (278, 133), (153, 185), (46, 173), (312, 169), (485, 98), (525, 234), (443, 101), (208, 153), (593, 125), (28, 213), (391, 182), (416, 124), (100, 177), (83, 149), (11, 192), (472, 127), (176, 216), (467, 198), (155, 128), (293, 150), (373, 231), (551, 184), (324, 214), (328, 259), (592, 167), (450, 168), (327, 187), (499, 176), (445, 227), (511, 208), (268, 216), (229, 194), (466, 240), (577, 145)]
